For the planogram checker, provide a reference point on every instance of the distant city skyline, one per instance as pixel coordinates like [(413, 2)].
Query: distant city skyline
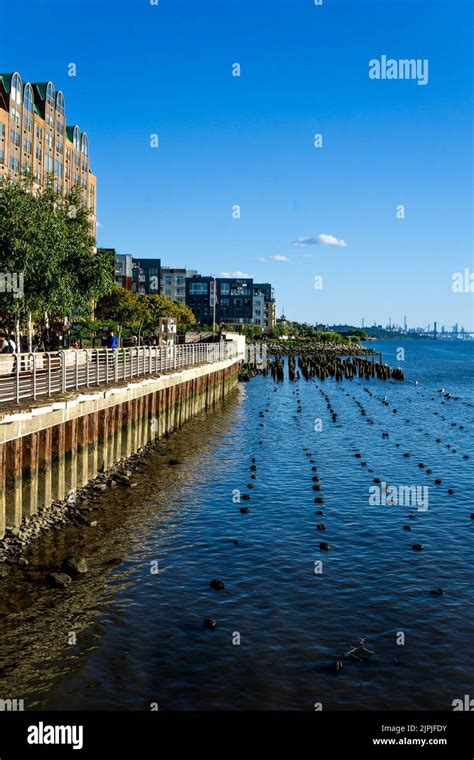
[(302, 167)]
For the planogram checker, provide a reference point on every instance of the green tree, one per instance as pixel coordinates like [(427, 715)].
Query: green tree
[(160, 306), (121, 307), (47, 238)]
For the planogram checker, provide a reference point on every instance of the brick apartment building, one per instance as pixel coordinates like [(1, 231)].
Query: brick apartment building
[(37, 141)]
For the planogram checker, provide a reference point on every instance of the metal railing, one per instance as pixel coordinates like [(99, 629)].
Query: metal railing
[(42, 374)]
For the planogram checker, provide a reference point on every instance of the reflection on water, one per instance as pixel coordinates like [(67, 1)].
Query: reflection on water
[(140, 636)]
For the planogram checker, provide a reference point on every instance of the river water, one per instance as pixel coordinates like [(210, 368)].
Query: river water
[(127, 637)]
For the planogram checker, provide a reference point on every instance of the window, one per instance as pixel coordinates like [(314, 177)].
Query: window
[(16, 89), (84, 145), (39, 152), (39, 133), (28, 98), (48, 164), (50, 94), (60, 103), (27, 146), (14, 164), (2, 156), (14, 138), (2, 130), (240, 290), (15, 116), (76, 139), (225, 288), (49, 140), (58, 169), (198, 288), (27, 124)]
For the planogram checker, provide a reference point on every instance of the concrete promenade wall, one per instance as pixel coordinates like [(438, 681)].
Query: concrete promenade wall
[(49, 450)]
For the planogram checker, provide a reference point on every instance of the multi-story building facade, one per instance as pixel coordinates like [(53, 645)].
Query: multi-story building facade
[(123, 270), (259, 310), (137, 275), (234, 300), (228, 300), (200, 295), (36, 141), (264, 308), (173, 283), (146, 276)]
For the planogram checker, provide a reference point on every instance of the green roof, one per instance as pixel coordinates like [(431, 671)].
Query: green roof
[(6, 81), (39, 89)]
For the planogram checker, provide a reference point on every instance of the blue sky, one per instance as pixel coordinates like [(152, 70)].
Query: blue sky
[(223, 140)]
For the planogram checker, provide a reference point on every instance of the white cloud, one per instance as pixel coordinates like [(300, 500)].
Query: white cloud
[(277, 257), (321, 239), (240, 275), (98, 224)]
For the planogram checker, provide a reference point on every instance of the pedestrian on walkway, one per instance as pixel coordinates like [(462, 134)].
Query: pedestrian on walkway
[(112, 340)]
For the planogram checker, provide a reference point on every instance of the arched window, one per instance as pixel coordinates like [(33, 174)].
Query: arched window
[(16, 89), (60, 103), (85, 145), (50, 94), (76, 139), (28, 98)]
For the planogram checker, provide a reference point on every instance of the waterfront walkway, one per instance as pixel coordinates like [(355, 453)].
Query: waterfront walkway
[(30, 375)]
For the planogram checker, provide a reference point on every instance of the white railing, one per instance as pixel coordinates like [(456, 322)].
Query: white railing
[(42, 374)]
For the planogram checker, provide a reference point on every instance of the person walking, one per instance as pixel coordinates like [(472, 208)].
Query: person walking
[(7, 345), (112, 340)]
